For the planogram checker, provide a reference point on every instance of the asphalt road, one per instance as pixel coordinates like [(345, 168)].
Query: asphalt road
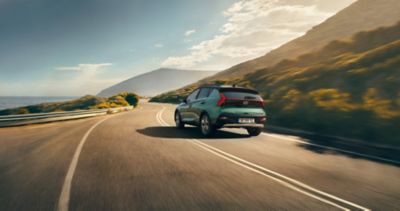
[(137, 160)]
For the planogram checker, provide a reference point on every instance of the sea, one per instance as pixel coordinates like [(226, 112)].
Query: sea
[(13, 102)]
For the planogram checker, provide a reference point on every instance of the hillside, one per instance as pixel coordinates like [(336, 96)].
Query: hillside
[(156, 82), (349, 87), (83, 103), (362, 15)]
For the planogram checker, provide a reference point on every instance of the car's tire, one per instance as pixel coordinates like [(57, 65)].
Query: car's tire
[(206, 127), (254, 131), (178, 120)]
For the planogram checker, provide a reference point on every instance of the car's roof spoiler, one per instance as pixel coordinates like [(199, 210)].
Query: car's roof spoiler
[(227, 88), (237, 89)]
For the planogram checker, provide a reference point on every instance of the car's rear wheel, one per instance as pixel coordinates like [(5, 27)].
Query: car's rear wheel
[(254, 131), (206, 127), (178, 120)]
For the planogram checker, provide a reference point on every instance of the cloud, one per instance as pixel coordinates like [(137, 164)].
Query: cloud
[(190, 32), (85, 67), (253, 28), (158, 45), (76, 80)]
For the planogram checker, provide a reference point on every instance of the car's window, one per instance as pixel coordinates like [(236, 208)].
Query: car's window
[(192, 96), (214, 93), (204, 92)]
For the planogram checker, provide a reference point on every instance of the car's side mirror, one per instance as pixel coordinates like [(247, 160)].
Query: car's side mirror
[(183, 100)]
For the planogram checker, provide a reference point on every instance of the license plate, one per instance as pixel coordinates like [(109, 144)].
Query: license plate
[(246, 120)]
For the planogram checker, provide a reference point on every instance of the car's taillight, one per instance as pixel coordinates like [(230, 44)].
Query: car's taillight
[(221, 100)]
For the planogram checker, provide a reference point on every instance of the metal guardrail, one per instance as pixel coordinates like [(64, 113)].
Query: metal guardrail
[(25, 119)]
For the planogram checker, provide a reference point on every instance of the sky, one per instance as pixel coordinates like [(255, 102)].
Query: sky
[(79, 47)]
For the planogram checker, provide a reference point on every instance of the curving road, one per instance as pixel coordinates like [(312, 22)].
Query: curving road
[(138, 161)]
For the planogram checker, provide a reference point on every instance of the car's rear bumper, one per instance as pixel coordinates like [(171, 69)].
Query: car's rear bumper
[(232, 120), (241, 125)]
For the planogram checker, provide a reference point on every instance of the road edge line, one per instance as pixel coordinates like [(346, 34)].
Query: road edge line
[(63, 202), (331, 148)]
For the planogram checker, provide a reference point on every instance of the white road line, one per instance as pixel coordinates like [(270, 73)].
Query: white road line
[(255, 168), (303, 185), (271, 177), (160, 119), (331, 148), (63, 201)]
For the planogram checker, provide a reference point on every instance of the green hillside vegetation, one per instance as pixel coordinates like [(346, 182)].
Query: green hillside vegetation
[(83, 103), (362, 15), (348, 88)]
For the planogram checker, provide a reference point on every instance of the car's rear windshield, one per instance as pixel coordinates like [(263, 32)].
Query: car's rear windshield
[(241, 94)]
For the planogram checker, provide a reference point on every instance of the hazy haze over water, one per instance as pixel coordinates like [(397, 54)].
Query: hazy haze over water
[(12, 102)]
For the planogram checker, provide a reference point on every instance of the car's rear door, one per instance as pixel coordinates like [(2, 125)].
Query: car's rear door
[(199, 105), (185, 109)]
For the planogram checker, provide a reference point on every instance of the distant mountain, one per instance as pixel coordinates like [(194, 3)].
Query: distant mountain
[(348, 88), (156, 82), (362, 15)]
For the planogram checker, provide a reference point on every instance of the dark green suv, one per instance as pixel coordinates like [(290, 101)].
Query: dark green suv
[(214, 107)]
